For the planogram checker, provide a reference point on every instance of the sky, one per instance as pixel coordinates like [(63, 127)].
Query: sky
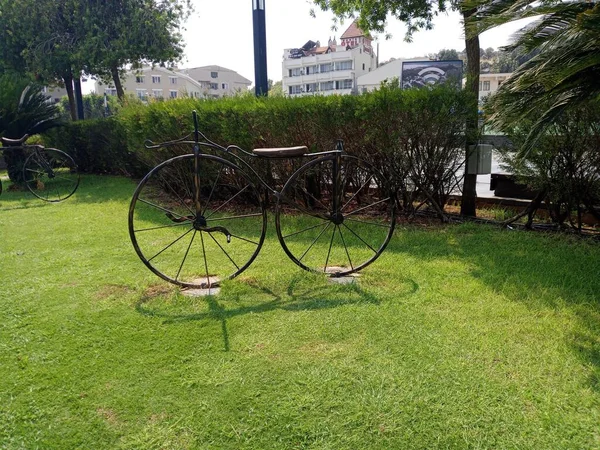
[(221, 34)]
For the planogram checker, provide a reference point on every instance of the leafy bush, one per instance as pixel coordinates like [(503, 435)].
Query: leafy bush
[(23, 110), (564, 165), (413, 137), (97, 146)]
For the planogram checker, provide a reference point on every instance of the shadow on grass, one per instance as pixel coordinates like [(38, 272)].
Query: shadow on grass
[(542, 271), (298, 298)]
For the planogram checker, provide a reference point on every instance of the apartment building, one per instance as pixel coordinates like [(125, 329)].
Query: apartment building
[(217, 81), (163, 83), (490, 82), (333, 69)]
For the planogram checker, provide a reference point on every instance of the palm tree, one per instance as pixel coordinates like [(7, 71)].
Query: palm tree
[(564, 73), (24, 109)]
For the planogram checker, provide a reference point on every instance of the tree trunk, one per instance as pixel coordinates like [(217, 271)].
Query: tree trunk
[(469, 194), (78, 97), (114, 70), (68, 80)]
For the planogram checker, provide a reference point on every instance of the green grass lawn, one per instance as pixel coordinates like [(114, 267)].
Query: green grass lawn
[(457, 337)]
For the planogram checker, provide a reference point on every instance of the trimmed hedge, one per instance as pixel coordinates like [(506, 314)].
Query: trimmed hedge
[(415, 137), (97, 146)]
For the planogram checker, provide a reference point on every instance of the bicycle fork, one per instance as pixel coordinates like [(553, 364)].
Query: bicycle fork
[(336, 213)]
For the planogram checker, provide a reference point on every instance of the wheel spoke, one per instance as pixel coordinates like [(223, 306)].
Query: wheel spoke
[(345, 247), (224, 251), (366, 207), (163, 226), (236, 217), (356, 193), (306, 229), (329, 251), (303, 189), (185, 256), (362, 240), (212, 190), (179, 238), (313, 242), (205, 260), (238, 193), (176, 194), (382, 225), (244, 239), (161, 208)]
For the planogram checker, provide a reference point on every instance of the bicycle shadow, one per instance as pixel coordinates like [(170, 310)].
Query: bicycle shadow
[(300, 295)]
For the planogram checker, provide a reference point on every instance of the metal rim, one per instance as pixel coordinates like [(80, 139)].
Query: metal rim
[(327, 222), (175, 280), (33, 165)]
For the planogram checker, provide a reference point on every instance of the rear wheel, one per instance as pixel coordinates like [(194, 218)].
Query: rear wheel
[(190, 249), (319, 238), (51, 175)]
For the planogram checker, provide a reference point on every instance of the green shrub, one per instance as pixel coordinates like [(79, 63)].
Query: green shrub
[(413, 137), (97, 146), (564, 164)]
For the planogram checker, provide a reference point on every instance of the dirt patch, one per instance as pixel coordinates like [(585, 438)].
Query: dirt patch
[(109, 416), (112, 291)]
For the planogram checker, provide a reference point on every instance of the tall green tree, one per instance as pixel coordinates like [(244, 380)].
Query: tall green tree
[(565, 69), (121, 33), (419, 14)]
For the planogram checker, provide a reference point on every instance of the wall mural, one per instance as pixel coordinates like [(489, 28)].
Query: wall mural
[(427, 73)]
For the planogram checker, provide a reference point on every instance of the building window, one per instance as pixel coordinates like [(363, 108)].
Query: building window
[(324, 68), (173, 80), (327, 86), (142, 94), (500, 81), (224, 86), (139, 79), (343, 84), (214, 74), (155, 79), (157, 93), (486, 85), (173, 94), (296, 89), (343, 65), (110, 91), (214, 86), (296, 72), (363, 66)]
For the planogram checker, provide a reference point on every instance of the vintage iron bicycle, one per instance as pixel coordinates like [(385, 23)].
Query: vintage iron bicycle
[(49, 174), (199, 218)]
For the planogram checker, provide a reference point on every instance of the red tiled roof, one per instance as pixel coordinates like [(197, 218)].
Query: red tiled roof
[(353, 31)]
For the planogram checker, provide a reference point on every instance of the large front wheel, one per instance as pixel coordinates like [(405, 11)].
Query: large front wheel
[(335, 218), (197, 246), (51, 174)]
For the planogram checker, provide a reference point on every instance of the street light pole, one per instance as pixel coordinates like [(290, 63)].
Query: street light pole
[(260, 48)]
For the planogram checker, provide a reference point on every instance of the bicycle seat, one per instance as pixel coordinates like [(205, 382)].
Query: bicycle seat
[(7, 141), (282, 152)]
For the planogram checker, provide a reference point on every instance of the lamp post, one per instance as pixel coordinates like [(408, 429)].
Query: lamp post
[(260, 48)]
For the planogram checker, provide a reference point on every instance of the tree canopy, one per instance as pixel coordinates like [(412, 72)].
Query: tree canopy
[(565, 71), (58, 40)]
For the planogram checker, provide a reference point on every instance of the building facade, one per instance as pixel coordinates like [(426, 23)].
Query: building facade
[(333, 69), (162, 83), (217, 81), (490, 82)]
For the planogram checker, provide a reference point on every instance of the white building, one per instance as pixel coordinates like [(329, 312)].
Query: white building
[(333, 69), (217, 81), (162, 83), (490, 82)]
